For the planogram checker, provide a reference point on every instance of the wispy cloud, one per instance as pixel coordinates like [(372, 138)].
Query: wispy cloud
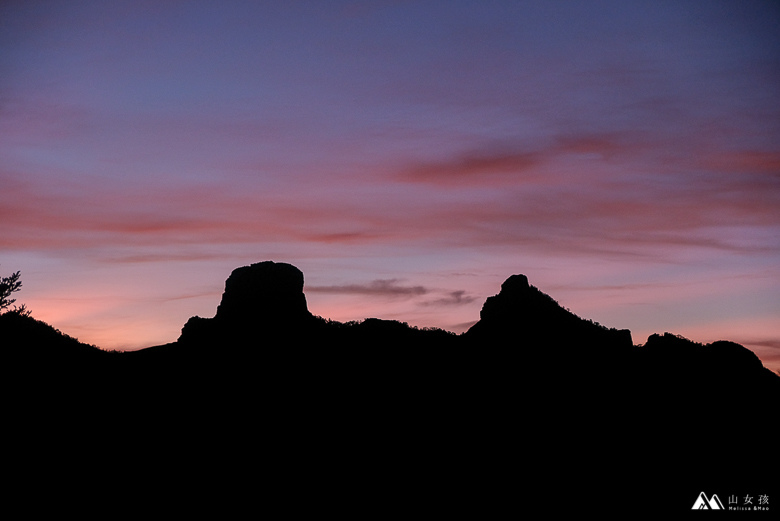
[(451, 298), (378, 287), (483, 169), (522, 162), (773, 343), (743, 161), (608, 215)]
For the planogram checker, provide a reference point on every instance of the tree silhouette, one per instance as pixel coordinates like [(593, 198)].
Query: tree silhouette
[(9, 285)]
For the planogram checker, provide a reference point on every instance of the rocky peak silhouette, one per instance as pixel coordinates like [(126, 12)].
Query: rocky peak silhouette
[(514, 297), (515, 284), (266, 291), (523, 312), (261, 302)]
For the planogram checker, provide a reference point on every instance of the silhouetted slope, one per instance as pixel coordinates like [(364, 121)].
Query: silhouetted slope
[(724, 370), (53, 382), (533, 407), (30, 341)]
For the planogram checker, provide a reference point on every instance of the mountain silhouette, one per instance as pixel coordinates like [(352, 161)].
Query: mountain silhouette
[(532, 407), (523, 312)]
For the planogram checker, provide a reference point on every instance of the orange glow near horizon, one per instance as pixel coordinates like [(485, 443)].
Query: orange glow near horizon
[(125, 315)]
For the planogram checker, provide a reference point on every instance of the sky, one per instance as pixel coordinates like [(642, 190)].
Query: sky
[(408, 157)]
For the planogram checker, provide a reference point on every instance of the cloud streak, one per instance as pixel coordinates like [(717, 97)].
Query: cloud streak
[(394, 289), (522, 162), (452, 298), (376, 288), (610, 214)]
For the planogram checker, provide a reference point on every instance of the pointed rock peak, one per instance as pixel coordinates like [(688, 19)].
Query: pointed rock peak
[(265, 289), (521, 311)]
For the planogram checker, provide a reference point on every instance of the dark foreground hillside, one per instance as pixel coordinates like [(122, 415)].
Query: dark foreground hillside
[(533, 409)]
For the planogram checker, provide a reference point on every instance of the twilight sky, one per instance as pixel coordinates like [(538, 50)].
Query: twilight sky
[(406, 156)]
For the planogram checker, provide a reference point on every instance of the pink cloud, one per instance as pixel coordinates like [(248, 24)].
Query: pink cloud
[(743, 161), (523, 162), (473, 169), (570, 196), (452, 298)]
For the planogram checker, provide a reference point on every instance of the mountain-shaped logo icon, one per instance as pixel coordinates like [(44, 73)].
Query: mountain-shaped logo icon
[(702, 503)]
